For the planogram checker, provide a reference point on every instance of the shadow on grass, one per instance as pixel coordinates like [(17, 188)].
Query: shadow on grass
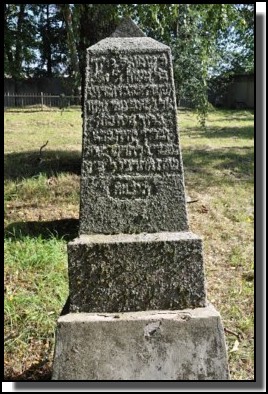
[(64, 228), (220, 132), (243, 118), (211, 167), (232, 115), (36, 372), (29, 164), (237, 161)]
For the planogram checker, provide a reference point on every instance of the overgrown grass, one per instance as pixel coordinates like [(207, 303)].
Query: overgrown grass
[(41, 216), (219, 171), (35, 289)]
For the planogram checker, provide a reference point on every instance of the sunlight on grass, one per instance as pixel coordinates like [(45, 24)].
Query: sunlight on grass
[(28, 131), (36, 287), (41, 216)]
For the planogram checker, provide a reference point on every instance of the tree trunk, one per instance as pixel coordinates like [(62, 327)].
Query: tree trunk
[(18, 53), (48, 44), (74, 62), (97, 21)]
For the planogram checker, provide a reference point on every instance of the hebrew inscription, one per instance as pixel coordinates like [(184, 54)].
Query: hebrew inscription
[(130, 122), (132, 175)]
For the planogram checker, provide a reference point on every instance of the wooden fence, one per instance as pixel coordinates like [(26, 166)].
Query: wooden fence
[(41, 101)]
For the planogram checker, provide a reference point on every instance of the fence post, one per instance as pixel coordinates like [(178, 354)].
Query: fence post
[(42, 101)]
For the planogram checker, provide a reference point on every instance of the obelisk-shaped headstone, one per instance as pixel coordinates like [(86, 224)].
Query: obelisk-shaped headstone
[(134, 251), (132, 176), (135, 266)]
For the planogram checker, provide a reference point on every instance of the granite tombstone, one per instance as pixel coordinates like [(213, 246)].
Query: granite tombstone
[(138, 307), (135, 251)]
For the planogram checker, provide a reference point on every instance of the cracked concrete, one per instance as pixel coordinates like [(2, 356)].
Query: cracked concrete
[(152, 345)]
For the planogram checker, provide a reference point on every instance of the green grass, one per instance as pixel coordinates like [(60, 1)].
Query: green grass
[(42, 211), (219, 173), (35, 288), (22, 131)]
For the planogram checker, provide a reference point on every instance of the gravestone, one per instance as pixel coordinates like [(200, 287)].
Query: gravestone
[(138, 307)]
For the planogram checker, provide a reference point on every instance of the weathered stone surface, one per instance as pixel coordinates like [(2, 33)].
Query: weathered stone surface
[(127, 272), (132, 176), (135, 267), (152, 345), (127, 28)]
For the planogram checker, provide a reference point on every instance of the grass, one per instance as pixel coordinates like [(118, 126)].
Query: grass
[(219, 172), (42, 211), (35, 287)]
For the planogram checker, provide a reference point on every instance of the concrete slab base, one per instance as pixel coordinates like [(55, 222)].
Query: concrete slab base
[(151, 345)]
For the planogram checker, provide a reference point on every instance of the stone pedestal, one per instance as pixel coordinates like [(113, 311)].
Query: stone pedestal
[(135, 272), (135, 266), (153, 345)]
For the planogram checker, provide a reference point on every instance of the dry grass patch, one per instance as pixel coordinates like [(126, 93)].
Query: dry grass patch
[(41, 216)]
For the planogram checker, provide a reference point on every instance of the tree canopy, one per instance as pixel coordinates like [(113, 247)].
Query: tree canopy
[(207, 40)]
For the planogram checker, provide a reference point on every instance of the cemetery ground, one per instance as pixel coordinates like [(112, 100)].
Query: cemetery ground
[(42, 211)]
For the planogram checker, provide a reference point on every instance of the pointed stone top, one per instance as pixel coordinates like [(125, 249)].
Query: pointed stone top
[(127, 28)]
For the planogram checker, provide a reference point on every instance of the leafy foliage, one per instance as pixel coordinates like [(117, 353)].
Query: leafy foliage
[(19, 45), (52, 41), (206, 40)]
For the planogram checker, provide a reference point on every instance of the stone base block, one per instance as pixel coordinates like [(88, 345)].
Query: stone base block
[(153, 345), (136, 272)]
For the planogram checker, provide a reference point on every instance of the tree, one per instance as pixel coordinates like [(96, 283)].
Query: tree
[(35, 40), (194, 32), (206, 39), (19, 44), (234, 49), (85, 25), (235, 46), (52, 40)]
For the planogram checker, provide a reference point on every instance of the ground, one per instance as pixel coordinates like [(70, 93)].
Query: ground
[(42, 211)]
